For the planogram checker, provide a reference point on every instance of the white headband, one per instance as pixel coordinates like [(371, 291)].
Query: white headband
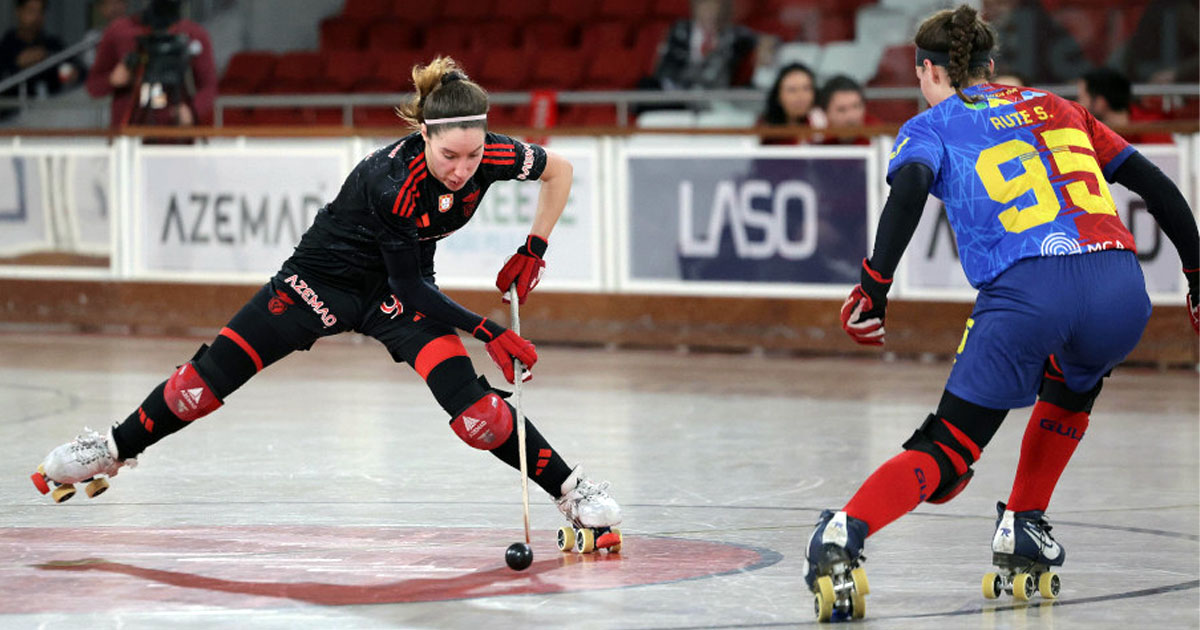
[(438, 121)]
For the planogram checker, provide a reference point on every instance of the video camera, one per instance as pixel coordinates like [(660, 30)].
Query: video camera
[(161, 63)]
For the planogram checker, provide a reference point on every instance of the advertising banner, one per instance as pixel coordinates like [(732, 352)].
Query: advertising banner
[(731, 223), (230, 211), (55, 203), (472, 256), (931, 266)]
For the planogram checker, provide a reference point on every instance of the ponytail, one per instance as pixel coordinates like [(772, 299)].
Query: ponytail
[(443, 91), (966, 42)]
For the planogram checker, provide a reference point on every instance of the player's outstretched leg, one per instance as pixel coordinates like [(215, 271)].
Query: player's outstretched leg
[(1024, 552), (832, 566), (90, 457), (592, 513)]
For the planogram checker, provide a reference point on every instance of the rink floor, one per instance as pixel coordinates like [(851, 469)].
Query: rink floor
[(330, 493)]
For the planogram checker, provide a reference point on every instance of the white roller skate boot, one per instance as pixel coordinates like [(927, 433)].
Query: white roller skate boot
[(89, 457), (593, 515), (831, 567), (1024, 551)]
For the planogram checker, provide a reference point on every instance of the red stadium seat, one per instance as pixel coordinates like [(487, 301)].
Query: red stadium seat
[(627, 10), (345, 69), (521, 11), (578, 12), (589, 116), (671, 9), (296, 72), (563, 70), (490, 35), (391, 35), (447, 36), (367, 9), (504, 70), (616, 69), (467, 10), (896, 67), (237, 116), (379, 117), (420, 12), (601, 37), (247, 72), (893, 110), (548, 35), (649, 36), (391, 74), (342, 33)]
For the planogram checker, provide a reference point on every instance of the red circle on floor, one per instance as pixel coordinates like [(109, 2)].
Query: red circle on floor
[(110, 568)]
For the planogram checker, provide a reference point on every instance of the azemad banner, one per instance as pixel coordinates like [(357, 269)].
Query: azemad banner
[(751, 222), (230, 211), (931, 264), (472, 256)]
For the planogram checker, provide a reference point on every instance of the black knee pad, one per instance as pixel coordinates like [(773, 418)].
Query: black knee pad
[(976, 423), (1054, 390)]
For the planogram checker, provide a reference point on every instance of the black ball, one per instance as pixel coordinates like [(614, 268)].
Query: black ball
[(518, 556)]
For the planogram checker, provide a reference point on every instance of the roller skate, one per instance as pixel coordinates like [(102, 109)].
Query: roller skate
[(592, 514), (90, 458), (1024, 552), (832, 567)]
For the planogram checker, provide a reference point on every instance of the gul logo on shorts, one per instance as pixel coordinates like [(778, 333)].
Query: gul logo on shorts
[(391, 307), (280, 303), (311, 298)]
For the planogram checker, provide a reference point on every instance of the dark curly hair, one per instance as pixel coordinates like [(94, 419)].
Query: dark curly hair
[(774, 114)]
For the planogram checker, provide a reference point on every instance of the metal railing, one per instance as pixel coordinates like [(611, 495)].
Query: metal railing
[(21, 79)]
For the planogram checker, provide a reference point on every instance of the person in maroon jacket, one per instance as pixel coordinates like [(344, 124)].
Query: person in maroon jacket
[(119, 67)]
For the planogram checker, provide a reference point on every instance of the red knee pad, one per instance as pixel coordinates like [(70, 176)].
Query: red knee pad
[(188, 396), (485, 424)]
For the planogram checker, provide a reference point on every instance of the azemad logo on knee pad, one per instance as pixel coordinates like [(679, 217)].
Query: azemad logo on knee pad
[(311, 298)]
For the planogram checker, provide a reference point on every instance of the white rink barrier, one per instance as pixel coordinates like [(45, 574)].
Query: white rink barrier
[(667, 217)]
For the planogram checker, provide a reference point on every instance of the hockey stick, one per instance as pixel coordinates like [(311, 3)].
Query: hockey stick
[(518, 373)]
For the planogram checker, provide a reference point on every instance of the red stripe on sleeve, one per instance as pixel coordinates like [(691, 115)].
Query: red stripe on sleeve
[(229, 334), (437, 351), (503, 162)]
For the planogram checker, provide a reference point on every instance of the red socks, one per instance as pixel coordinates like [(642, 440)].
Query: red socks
[(1050, 440), (894, 489)]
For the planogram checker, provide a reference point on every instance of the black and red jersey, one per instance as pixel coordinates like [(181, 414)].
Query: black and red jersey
[(390, 196)]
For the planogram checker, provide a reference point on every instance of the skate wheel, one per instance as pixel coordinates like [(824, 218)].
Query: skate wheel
[(39, 481), (823, 598), (585, 540), (96, 487), (1023, 587), (1048, 585), (859, 577), (566, 539), (63, 492), (993, 585), (858, 605)]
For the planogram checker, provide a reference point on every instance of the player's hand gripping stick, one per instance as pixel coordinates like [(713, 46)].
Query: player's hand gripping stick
[(864, 310), (523, 270), (505, 347)]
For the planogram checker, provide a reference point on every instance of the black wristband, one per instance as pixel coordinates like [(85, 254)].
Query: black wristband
[(488, 330), (535, 246)]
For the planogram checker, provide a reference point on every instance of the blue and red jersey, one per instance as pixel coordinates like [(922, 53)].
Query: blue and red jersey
[(1022, 173)]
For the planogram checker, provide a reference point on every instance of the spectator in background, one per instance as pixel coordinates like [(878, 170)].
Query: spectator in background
[(1108, 95), (842, 105), (27, 44), (103, 14), (706, 51), (1165, 47), (119, 64), (790, 100), (1032, 44)]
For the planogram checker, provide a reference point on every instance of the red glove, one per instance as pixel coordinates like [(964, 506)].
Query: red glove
[(864, 311), (504, 345), (1193, 297), (525, 268)]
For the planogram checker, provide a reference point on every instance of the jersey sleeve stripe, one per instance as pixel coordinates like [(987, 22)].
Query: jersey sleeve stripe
[(500, 153), (491, 161), (409, 185), (498, 146), (410, 203)]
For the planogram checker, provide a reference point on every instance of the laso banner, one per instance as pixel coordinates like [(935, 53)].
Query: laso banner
[(55, 203), (230, 211), (931, 263), (730, 223)]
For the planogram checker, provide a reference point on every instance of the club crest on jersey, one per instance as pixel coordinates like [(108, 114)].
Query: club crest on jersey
[(445, 202)]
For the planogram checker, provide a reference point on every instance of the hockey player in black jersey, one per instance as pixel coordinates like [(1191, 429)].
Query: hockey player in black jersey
[(367, 265)]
